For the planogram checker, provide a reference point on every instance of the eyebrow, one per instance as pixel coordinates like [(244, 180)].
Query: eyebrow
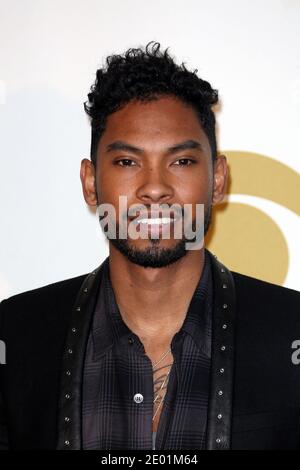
[(185, 145)]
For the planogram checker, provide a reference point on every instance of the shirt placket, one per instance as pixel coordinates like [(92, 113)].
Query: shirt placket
[(140, 394)]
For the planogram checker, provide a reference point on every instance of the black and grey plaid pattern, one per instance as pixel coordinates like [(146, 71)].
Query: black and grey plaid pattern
[(117, 369)]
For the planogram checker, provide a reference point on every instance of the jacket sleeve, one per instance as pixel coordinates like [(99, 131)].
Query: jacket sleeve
[(3, 423)]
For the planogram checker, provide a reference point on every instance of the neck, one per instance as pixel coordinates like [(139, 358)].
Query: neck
[(153, 302)]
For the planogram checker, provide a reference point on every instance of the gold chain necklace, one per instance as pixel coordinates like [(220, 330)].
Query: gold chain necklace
[(163, 385), (164, 355)]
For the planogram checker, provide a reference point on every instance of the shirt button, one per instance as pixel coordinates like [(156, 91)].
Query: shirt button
[(138, 398), (130, 341)]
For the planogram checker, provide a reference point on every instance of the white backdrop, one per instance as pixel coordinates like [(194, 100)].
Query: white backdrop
[(49, 52)]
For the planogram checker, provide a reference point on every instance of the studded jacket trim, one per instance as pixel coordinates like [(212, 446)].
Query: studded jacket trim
[(222, 366), (222, 362)]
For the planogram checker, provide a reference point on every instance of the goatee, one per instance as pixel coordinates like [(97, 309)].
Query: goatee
[(155, 256)]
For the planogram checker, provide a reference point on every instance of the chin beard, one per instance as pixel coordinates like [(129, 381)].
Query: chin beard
[(154, 256)]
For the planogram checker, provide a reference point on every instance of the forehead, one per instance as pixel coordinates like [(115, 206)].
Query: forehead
[(162, 120)]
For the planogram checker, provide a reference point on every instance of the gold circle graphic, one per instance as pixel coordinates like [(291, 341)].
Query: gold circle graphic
[(245, 238)]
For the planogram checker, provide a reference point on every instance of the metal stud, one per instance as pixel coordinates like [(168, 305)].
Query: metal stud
[(218, 440), (222, 370), (67, 419), (85, 289), (74, 330), (224, 326), (70, 351), (67, 443), (67, 396), (222, 270), (68, 372), (220, 392), (224, 286), (78, 309), (220, 416), (223, 348), (225, 305)]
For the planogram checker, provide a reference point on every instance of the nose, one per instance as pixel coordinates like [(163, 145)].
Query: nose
[(154, 187)]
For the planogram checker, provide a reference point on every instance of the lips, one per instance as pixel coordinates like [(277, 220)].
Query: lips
[(155, 221), (155, 218)]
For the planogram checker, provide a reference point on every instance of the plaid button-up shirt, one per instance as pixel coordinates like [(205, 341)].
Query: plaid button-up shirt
[(117, 368)]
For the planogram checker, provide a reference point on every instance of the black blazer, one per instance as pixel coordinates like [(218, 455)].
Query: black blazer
[(255, 376)]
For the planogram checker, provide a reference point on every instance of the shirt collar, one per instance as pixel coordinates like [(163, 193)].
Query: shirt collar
[(109, 328)]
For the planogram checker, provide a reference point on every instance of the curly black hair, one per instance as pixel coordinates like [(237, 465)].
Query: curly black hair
[(145, 74)]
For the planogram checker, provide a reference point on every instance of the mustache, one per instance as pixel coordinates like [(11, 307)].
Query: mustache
[(154, 210), (138, 211)]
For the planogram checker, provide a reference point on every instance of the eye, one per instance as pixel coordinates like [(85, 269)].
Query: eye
[(184, 162), (124, 162)]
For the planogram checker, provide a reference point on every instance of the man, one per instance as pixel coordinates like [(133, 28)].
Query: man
[(161, 347)]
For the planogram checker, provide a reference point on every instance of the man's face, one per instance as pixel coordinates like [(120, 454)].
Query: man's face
[(155, 153)]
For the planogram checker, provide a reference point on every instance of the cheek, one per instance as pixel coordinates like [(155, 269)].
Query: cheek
[(110, 187), (197, 189)]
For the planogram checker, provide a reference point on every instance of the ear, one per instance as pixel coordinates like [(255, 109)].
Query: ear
[(220, 179), (88, 182)]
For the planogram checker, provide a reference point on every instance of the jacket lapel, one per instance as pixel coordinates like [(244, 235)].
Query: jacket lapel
[(222, 362), (70, 400)]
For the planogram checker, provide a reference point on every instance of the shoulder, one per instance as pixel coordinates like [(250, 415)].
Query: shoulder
[(53, 297), (258, 297), (265, 310), (256, 291)]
